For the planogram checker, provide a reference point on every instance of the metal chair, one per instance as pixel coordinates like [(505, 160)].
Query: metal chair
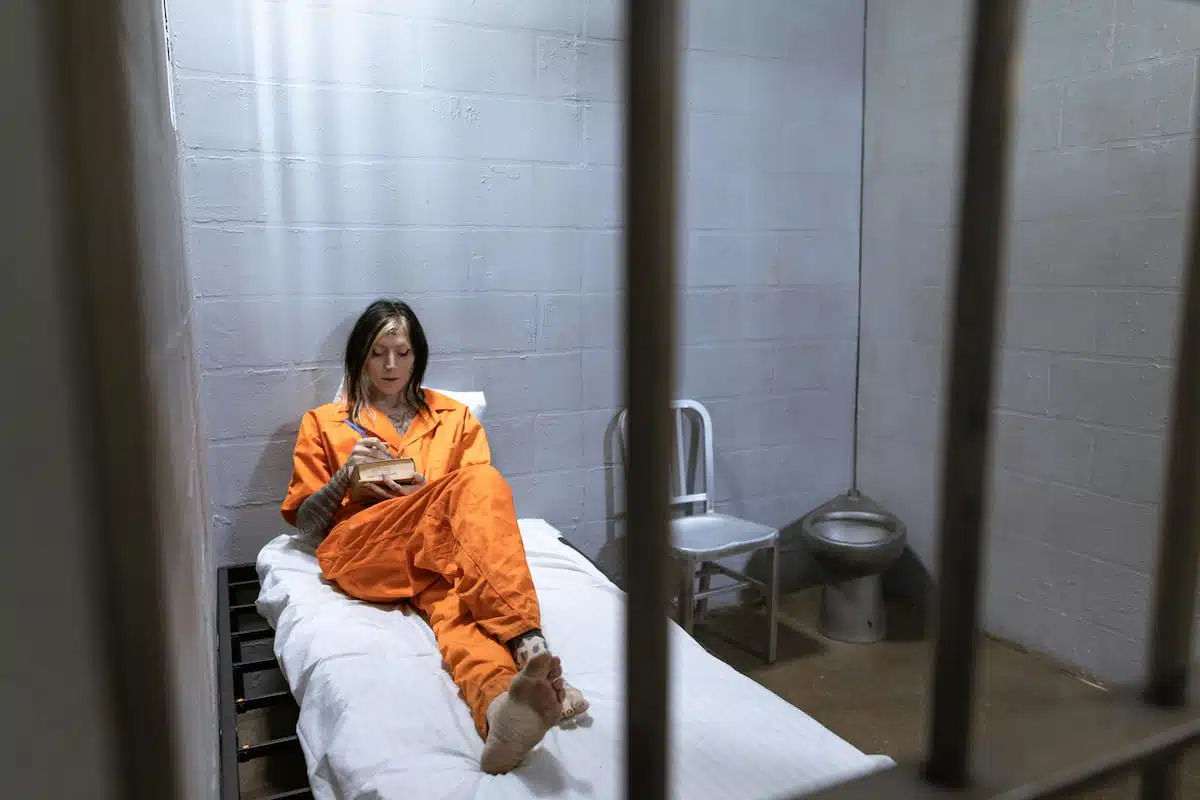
[(699, 539)]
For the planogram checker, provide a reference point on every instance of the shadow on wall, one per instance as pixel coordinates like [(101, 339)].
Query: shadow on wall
[(909, 580), (243, 529), (611, 557)]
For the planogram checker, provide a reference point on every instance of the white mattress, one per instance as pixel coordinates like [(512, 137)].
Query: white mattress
[(380, 718)]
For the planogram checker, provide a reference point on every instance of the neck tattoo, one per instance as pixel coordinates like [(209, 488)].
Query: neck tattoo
[(401, 418)]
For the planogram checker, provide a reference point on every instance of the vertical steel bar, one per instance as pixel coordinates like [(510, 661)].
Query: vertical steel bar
[(108, 174), (651, 66), (982, 213), (1170, 648)]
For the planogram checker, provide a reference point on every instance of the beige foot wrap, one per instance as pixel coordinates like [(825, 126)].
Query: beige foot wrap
[(531, 644), (573, 702)]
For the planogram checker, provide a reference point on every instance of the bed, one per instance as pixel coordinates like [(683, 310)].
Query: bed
[(380, 718)]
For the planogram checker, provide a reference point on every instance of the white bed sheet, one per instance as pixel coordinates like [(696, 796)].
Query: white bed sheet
[(380, 718)]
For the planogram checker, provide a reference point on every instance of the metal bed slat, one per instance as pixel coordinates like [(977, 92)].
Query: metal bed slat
[(249, 752), (254, 665), (252, 635), (245, 704)]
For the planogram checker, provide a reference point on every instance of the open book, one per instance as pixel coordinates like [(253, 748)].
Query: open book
[(401, 470)]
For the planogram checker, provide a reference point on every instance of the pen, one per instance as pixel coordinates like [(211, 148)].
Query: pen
[(364, 433)]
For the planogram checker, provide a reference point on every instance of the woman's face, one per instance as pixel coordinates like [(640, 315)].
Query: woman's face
[(390, 362)]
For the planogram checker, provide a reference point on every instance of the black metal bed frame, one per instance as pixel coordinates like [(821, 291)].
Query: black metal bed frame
[(234, 584)]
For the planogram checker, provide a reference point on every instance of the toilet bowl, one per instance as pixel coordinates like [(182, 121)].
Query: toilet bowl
[(854, 540)]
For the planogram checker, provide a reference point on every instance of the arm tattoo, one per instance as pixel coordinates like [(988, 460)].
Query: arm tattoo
[(315, 514)]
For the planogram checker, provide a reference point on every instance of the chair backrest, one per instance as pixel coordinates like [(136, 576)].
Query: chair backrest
[(681, 493)]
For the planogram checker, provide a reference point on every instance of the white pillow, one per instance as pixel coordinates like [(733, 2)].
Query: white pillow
[(476, 401), (540, 536), (472, 400)]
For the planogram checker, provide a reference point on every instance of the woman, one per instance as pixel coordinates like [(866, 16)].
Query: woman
[(448, 543)]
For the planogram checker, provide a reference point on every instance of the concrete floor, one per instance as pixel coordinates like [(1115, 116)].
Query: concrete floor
[(874, 695)]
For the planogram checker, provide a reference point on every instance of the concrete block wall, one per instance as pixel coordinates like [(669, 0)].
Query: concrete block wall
[(169, 313), (466, 156), (1101, 168)]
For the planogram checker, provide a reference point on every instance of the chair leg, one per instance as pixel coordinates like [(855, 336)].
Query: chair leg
[(687, 594), (705, 585), (773, 604)]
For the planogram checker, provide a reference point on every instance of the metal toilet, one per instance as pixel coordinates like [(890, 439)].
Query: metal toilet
[(854, 540)]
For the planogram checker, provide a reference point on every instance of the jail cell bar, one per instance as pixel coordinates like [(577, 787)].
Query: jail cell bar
[(983, 202), (1114, 735), (651, 86)]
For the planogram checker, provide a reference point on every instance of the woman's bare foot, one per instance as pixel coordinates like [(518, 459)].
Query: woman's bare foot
[(519, 718), (573, 702), (529, 645)]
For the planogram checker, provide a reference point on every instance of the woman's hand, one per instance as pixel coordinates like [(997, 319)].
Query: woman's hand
[(388, 489), (367, 450)]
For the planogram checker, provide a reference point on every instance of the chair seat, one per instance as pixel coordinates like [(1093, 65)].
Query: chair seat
[(715, 535)]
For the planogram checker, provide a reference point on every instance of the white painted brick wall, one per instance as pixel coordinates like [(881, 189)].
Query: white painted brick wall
[(465, 155), (181, 493), (1101, 170)]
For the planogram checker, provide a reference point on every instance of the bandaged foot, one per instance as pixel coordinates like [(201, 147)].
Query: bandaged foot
[(530, 645), (573, 702), (519, 718)]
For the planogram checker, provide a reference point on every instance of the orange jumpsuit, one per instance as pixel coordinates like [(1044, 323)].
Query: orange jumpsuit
[(452, 548)]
